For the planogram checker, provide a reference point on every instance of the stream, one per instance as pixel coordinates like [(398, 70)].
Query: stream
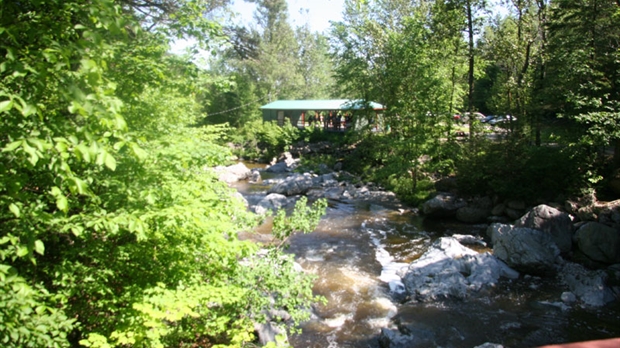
[(355, 252)]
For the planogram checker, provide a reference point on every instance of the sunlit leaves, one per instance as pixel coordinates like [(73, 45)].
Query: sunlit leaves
[(104, 189)]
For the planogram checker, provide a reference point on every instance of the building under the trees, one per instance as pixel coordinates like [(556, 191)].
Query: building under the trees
[(331, 114)]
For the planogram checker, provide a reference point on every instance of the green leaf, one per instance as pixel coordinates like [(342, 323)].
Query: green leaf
[(80, 186), (12, 146), (28, 110), (62, 203), (6, 105), (34, 156), (84, 152), (39, 247), (138, 151), (22, 251), (109, 161), (14, 209)]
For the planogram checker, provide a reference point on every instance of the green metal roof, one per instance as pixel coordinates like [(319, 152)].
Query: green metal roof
[(330, 104)]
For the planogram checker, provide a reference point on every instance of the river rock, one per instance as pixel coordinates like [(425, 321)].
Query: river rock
[(333, 193), (516, 204), (338, 166), (513, 214), (599, 242), (489, 345), (325, 180), (468, 239), (498, 210), (242, 199), (286, 163), (296, 184), (233, 173), (267, 332), (568, 297), (589, 286), (550, 220), (255, 176), (524, 249), (272, 201), (442, 205), (413, 336), (471, 214), (450, 270)]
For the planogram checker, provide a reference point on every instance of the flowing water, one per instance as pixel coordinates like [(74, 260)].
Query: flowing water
[(355, 253)]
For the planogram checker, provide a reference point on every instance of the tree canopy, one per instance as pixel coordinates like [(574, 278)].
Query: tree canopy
[(114, 230)]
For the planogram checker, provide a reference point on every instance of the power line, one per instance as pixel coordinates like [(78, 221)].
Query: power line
[(236, 108)]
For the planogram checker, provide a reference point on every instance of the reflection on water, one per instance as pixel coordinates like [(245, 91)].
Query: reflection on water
[(355, 253)]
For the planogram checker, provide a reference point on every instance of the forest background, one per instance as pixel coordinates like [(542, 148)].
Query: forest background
[(114, 232)]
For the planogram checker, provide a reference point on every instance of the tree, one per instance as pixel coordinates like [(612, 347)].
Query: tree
[(583, 70), (509, 45), (315, 65), (113, 231), (388, 52), (275, 70)]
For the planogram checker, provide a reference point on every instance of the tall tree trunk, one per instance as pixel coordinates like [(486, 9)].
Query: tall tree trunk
[(542, 22), (470, 74)]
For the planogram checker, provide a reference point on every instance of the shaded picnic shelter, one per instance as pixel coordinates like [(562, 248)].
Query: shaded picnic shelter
[(330, 114)]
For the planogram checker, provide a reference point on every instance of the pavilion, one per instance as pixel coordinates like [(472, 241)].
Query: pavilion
[(331, 114)]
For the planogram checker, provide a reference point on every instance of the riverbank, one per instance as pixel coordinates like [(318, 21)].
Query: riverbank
[(359, 239)]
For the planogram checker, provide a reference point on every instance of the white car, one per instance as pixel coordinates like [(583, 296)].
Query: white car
[(502, 119)]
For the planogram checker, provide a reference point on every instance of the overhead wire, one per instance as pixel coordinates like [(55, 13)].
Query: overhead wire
[(237, 107)]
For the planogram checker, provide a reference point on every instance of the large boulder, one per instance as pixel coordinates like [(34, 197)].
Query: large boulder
[(450, 270), (524, 249), (272, 201), (599, 242), (442, 205), (233, 173), (589, 286), (294, 185), (550, 220)]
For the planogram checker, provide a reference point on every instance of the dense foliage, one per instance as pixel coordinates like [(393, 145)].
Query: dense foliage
[(539, 62), (114, 230)]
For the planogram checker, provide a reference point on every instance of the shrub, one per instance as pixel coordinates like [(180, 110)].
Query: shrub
[(516, 170)]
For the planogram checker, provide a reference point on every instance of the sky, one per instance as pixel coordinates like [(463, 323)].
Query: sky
[(317, 13)]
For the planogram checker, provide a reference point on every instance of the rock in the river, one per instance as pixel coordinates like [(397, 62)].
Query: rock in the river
[(498, 210), (471, 214), (442, 205), (233, 173), (448, 269), (524, 249), (286, 164), (296, 184), (255, 176), (489, 345), (468, 239), (589, 286), (267, 332), (412, 335), (599, 242), (272, 201), (552, 221), (568, 297)]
